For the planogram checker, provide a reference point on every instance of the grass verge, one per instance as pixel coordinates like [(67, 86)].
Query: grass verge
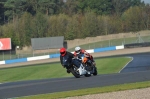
[(88, 91), (46, 71)]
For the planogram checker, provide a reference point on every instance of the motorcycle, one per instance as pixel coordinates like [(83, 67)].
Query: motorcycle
[(89, 66), (75, 66)]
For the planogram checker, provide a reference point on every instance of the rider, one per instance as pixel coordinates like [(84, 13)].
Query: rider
[(64, 53), (79, 51), (90, 57)]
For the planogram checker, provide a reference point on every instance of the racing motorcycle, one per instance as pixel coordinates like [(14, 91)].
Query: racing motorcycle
[(75, 66), (89, 66)]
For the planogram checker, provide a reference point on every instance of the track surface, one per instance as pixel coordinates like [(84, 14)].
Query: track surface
[(139, 69), (141, 62)]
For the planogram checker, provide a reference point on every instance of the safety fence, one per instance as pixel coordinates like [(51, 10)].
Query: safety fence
[(58, 55)]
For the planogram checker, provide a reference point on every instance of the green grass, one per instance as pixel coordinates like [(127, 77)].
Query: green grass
[(44, 71), (88, 91)]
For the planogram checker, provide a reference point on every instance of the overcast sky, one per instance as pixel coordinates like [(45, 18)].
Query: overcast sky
[(146, 1)]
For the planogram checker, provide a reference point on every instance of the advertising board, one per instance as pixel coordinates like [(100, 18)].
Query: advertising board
[(5, 43)]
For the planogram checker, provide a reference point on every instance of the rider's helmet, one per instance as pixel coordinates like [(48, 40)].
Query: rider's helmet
[(86, 54), (63, 51), (77, 49)]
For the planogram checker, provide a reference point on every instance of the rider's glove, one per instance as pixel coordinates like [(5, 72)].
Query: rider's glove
[(94, 63)]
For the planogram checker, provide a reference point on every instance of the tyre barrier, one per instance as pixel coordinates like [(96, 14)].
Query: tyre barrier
[(135, 45)]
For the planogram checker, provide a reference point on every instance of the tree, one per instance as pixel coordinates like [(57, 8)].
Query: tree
[(98, 6), (47, 7), (14, 8), (119, 6), (133, 18), (70, 7), (8, 32), (40, 25), (25, 30), (89, 25), (2, 10)]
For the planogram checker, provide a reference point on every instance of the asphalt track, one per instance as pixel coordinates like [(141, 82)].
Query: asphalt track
[(137, 70)]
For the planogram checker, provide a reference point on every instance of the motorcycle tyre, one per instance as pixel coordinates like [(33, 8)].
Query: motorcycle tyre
[(95, 71), (87, 75), (74, 73)]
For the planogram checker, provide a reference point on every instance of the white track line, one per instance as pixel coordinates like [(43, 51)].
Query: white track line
[(126, 64)]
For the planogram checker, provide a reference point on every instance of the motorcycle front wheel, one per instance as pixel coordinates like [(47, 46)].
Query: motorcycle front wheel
[(75, 73)]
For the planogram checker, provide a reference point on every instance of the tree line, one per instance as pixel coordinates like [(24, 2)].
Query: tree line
[(22, 20)]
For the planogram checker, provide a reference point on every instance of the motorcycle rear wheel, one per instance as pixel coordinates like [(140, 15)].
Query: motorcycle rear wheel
[(87, 75), (95, 71)]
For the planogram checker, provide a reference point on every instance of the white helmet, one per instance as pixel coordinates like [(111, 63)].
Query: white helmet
[(77, 49)]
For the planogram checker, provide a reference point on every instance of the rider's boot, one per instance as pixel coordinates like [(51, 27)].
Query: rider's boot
[(68, 71)]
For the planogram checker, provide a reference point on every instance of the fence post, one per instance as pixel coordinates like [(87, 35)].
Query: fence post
[(3, 55), (32, 51), (10, 54)]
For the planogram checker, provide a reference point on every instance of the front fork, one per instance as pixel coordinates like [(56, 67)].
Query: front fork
[(82, 70)]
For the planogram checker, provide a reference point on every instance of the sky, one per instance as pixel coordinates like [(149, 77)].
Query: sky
[(146, 1)]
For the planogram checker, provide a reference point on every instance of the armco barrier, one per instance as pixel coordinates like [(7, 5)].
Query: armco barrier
[(15, 60), (58, 55), (2, 62), (38, 58), (119, 47), (104, 49), (54, 55)]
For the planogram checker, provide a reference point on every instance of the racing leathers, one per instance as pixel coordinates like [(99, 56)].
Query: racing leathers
[(85, 54), (69, 58), (69, 55)]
